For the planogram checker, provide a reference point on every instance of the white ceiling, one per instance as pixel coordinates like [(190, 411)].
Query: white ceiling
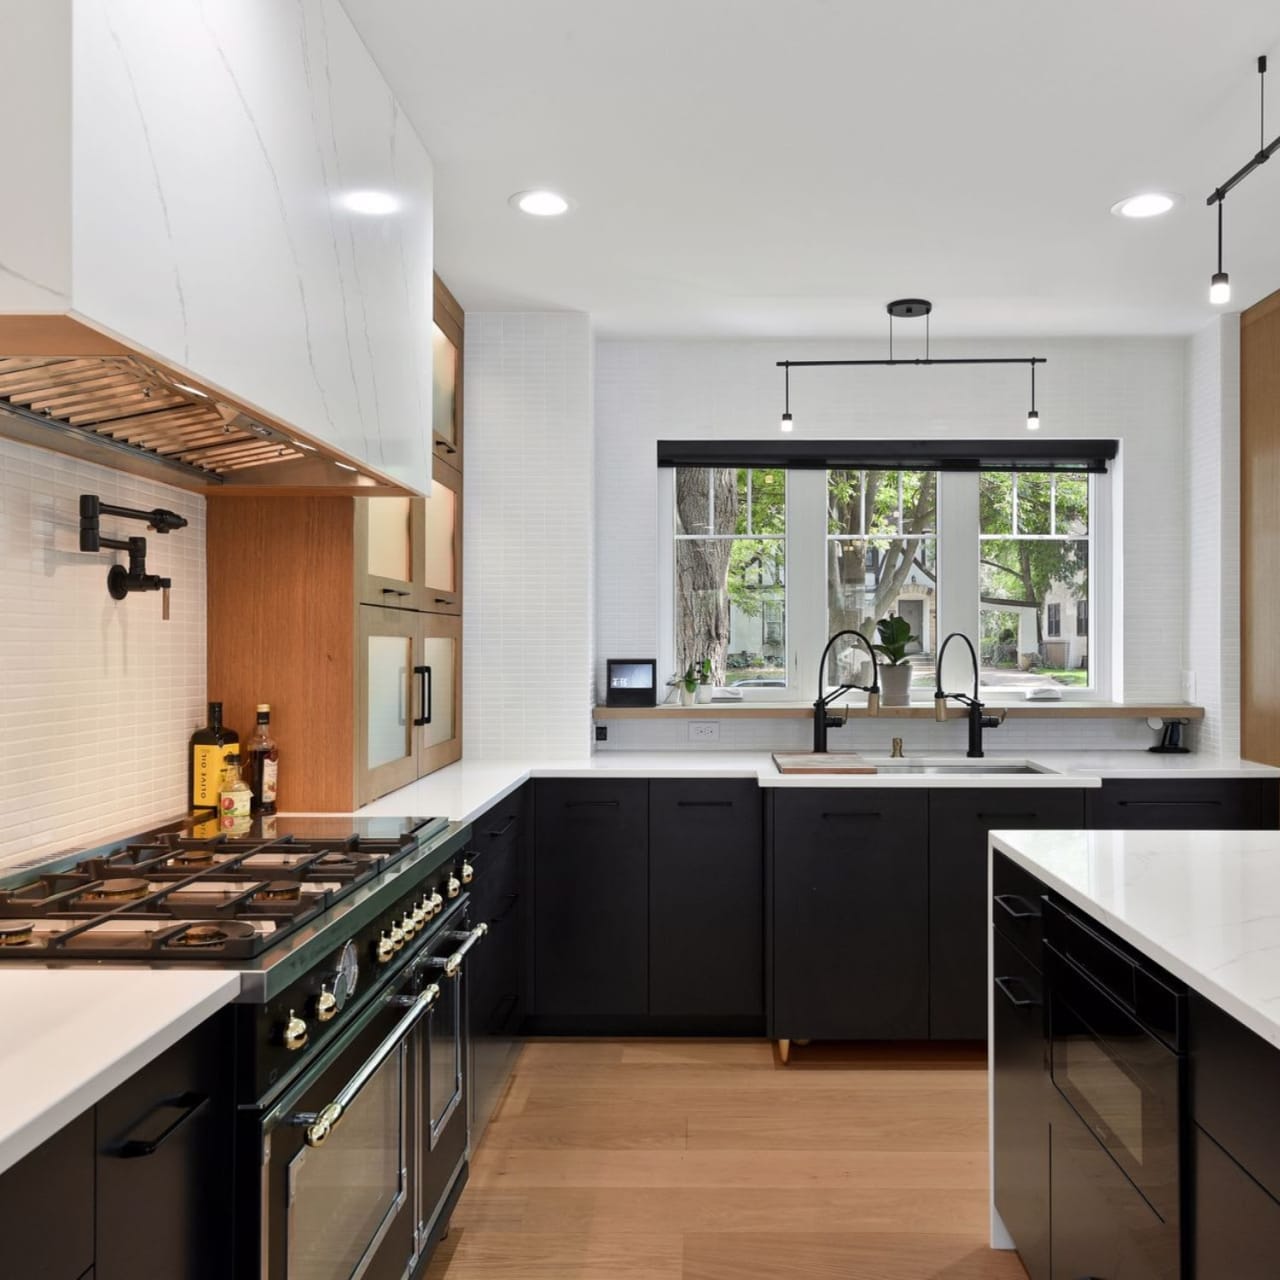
[(771, 168)]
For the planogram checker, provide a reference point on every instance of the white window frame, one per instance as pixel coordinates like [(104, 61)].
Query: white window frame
[(958, 548)]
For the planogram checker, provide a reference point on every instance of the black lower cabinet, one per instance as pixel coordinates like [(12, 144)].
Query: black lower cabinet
[(1186, 804), (850, 915), (46, 1208), (1101, 1227), (591, 900), (1021, 1106), (959, 911), (163, 1167), (706, 902), (1236, 1222)]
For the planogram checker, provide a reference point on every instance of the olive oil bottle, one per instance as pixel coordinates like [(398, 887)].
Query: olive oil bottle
[(207, 757)]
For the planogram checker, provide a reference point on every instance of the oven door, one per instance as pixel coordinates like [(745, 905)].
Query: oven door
[(444, 1076), (338, 1151), (1119, 1079)]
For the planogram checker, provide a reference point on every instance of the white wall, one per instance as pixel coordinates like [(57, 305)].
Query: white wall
[(97, 697), (1130, 389), (1212, 537), (528, 535)]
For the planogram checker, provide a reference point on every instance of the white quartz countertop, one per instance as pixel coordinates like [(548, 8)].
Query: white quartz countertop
[(1203, 904), (70, 1036), (463, 791)]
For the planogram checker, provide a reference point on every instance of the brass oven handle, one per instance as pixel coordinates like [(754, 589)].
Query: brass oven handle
[(452, 964), (320, 1124)]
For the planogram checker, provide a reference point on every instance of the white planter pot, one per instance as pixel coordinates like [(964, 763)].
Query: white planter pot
[(688, 696), (895, 685), (704, 692)]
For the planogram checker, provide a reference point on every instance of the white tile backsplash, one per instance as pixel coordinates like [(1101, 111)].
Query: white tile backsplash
[(97, 698)]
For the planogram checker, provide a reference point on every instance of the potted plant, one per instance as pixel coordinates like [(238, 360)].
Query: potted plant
[(895, 671), (704, 680), (689, 685)]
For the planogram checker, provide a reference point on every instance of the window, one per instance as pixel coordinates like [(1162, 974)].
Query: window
[(730, 574), (882, 560), (765, 564)]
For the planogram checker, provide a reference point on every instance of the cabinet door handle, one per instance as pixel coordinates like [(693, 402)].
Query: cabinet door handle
[(1018, 1002), (186, 1104), (391, 591), (512, 899), (444, 599), (590, 804), (446, 446), (502, 831), (424, 687), (851, 815), (704, 804), (996, 817), (1160, 804), (1004, 899)]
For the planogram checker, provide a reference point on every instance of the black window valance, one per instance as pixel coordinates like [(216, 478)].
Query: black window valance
[(892, 455)]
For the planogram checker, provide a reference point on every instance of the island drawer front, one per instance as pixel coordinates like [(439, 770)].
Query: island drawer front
[(1183, 804), (1237, 1224), (501, 826), (1017, 907), (1235, 1090)]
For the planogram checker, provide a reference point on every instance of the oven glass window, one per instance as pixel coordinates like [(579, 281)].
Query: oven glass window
[(1114, 1100), (345, 1193), (444, 1056)]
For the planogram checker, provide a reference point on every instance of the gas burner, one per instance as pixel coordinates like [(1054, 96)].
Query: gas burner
[(212, 935), (121, 889), (199, 857), (15, 933), (279, 891), (333, 860)]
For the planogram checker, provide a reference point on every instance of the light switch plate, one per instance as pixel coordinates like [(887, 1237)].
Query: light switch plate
[(704, 731)]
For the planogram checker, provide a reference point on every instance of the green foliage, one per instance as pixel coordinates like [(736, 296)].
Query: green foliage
[(895, 635), (690, 679)]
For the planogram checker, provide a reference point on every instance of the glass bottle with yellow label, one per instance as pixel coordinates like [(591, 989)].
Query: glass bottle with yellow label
[(207, 757)]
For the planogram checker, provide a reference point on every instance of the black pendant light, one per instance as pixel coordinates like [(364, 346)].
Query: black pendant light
[(787, 424), (1033, 418)]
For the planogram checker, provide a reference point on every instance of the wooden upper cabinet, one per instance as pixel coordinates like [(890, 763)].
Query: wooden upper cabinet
[(446, 382)]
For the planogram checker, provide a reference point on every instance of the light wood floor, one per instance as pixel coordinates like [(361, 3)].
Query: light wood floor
[(708, 1160)]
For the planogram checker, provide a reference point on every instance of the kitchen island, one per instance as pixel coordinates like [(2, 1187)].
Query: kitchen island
[(1135, 1051)]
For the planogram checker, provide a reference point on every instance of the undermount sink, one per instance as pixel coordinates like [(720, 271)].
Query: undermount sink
[(978, 766)]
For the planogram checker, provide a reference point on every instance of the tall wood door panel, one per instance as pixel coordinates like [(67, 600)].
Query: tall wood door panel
[(387, 651), (591, 898), (438, 672), (706, 899), (959, 910), (850, 915)]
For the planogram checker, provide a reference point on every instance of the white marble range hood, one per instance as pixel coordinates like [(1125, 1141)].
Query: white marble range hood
[(203, 151)]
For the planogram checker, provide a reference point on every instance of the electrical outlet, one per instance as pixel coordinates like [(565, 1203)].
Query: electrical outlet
[(602, 733), (704, 731), (1189, 686)]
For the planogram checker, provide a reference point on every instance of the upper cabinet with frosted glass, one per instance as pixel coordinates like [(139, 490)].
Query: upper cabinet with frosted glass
[(409, 550)]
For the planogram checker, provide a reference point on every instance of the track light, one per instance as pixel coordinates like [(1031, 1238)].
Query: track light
[(786, 423), (1220, 284)]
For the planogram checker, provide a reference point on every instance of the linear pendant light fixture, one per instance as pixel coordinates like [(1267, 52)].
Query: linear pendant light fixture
[(1220, 282), (908, 309)]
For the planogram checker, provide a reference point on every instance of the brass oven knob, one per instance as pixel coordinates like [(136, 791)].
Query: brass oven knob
[(468, 873), (452, 888), (407, 926), (420, 914), (383, 949), (436, 902), (326, 1005), (294, 1035), (395, 936)]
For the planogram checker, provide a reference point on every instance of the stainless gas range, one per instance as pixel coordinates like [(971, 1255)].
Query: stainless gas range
[(351, 1047)]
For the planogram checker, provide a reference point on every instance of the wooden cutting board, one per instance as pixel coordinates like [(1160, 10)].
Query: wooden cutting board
[(809, 762)]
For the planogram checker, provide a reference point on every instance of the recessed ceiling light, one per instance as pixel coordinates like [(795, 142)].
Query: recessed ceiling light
[(542, 204), (1150, 204), (371, 202)]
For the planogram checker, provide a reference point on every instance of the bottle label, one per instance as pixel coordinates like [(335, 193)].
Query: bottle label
[(206, 775), (233, 805), (270, 768)]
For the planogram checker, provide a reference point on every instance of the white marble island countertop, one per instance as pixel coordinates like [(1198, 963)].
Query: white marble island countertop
[(1203, 904), (70, 1036)]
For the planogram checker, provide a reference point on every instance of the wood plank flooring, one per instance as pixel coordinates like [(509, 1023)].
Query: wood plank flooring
[(709, 1160)]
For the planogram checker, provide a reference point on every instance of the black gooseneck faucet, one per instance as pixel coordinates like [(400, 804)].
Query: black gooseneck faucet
[(977, 721), (821, 721)]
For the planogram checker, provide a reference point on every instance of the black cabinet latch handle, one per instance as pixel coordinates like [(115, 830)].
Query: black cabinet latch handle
[(704, 804), (186, 1104), (1160, 804), (1007, 817), (502, 831), (1018, 1002), (591, 804), (852, 814), (1004, 899), (424, 677)]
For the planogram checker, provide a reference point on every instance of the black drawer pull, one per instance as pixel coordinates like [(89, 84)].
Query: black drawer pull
[(1004, 899), (704, 804), (501, 831), (512, 899), (1018, 1002), (186, 1104), (590, 804), (993, 817), (1149, 804), (851, 814)]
